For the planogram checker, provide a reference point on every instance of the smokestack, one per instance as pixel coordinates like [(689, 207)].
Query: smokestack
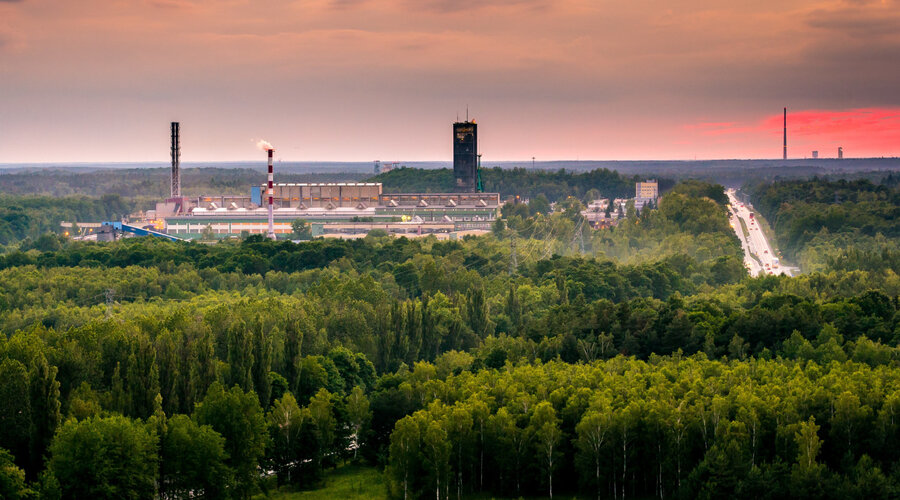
[(785, 133), (271, 193), (176, 161)]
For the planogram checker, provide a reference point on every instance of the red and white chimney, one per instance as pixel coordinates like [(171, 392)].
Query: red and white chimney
[(271, 193)]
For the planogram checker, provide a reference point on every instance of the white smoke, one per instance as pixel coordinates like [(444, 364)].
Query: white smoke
[(263, 145)]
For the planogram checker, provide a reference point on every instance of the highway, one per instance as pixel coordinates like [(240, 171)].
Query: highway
[(758, 254)]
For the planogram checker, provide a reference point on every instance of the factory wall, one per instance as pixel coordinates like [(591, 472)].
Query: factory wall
[(323, 195)]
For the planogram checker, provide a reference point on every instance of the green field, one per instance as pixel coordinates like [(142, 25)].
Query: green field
[(350, 482)]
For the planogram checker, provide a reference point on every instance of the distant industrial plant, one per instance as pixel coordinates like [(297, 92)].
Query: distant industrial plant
[(334, 209)]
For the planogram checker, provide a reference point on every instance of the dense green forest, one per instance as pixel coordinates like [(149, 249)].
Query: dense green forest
[(835, 224), (543, 359)]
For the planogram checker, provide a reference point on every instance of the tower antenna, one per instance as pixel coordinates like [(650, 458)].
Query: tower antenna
[(785, 133)]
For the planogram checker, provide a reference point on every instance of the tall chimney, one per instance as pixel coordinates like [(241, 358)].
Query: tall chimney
[(271, 193), (176, 161), (785, 133)]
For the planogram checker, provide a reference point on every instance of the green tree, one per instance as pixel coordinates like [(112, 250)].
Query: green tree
[(142, 379), (15, 409), (237, 416), (592, 433), (45, 414), (262, 362), (203, 371), (301, 229), (458, 423), (240, 356), (807, 474), (321, 412), (539, 205), (849, 416), (84, 403), (12, 479), (404, 456), (358, 415), (477, 311), (286, 421), (436, 452), (192, 461), (545, 431), (105, 458)]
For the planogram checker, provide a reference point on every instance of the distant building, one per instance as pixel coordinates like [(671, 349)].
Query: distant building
[(383, 168), (337, 208), (648, 189), (465, 155), (645, 192), (815, 155), (840, 153), (595, 213)]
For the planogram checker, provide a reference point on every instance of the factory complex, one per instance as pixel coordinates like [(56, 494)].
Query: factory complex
[(333, 209)]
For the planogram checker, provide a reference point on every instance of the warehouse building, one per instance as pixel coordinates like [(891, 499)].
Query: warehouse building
[(336, 208)]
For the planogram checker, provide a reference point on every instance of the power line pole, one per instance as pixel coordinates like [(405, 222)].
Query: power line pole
[(110, 294), (581, 237)]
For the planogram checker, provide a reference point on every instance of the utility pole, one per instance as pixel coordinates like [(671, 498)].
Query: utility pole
[(110, 294), (581, 237)]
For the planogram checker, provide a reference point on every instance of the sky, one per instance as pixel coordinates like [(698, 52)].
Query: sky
[(359, 80)]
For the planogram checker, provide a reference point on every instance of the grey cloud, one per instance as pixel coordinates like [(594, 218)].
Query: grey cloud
[(859, 19), (857, 23)]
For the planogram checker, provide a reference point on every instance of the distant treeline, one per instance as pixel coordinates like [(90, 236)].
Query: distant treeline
[(555, 185), (29, 217), (150, 183)]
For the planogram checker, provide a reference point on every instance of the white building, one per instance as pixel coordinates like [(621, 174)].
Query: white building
[(645, 192)]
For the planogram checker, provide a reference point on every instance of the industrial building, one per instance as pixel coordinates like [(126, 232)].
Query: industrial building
[(465, 155), (339, 209)]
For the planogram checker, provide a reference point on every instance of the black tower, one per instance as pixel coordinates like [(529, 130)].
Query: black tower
[(176, 160), (465, 155)]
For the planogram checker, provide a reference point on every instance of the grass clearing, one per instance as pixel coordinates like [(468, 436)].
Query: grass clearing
[(349, 482)]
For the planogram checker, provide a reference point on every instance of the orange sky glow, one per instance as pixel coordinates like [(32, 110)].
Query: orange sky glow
[(356, 80)]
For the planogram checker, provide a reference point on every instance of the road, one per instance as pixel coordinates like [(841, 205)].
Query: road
[(759, 256)]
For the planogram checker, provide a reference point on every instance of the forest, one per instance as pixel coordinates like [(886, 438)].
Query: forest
[(543, 359), (835, 224)]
